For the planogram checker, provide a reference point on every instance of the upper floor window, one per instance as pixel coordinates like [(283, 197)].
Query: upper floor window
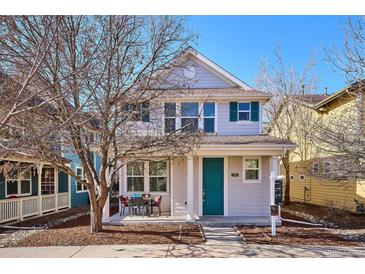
[(244, 111), (209, 117), (189, 117), (19, 183), (80, 173), (170, 117), (315, 168), (327, 167), (135, 176), (138, 111)]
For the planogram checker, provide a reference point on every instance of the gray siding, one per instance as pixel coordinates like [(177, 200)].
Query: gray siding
[(248, 199), (225, 127), (179, 187), (204, 78)]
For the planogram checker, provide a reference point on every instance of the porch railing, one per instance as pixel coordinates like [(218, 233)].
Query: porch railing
[(19, 208)]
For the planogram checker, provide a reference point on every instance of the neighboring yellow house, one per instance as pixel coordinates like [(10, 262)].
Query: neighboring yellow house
[(315, 177)]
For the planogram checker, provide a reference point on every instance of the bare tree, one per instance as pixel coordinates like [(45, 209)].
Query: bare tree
[(25, 43), (107, 76), (343, 138), (285, 108)]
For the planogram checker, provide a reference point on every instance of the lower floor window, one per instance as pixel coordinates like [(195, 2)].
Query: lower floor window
[(252, 169), (48, 181), (153, 179), (135, 176), (19, 183), (158, 176)]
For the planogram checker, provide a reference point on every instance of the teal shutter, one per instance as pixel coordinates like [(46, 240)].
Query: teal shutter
[(233, 109), (145, 112), (255, 107)]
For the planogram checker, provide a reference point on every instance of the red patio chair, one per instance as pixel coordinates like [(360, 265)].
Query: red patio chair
[(156, 202), (123, 203)]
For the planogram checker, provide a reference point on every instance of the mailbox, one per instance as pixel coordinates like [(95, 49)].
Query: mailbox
[(278, 191)]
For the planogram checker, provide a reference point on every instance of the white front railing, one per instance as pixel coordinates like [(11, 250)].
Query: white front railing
[(9, 210), (30, 206), (19, 208), (63, 200), (48, 202)]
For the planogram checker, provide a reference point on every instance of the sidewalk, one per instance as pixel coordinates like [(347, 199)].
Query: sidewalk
[(221, 243)]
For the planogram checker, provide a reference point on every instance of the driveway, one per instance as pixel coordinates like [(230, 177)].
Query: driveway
[(221, 243)]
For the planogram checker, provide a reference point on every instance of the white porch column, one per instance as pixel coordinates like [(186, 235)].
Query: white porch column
[(39, 171), (56, 187), (190, 188), (273, 175), (120, 179)]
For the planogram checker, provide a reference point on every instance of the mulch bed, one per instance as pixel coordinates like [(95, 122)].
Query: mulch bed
[(77, 233), (339, 218), (296, 234), (48, 219)]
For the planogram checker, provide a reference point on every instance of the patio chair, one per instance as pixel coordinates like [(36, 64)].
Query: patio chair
[(156, 202), (135, 205), (124, 203)]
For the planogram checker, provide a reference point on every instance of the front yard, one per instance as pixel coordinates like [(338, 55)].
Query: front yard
[(71, 228), (339, 228)]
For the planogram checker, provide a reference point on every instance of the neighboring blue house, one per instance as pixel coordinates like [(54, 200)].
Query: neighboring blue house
[(38, 188)]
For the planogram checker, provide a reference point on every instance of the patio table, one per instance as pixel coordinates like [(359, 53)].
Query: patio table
[(135, 203)]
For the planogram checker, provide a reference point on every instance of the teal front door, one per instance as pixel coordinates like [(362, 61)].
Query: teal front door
[(212, 186)]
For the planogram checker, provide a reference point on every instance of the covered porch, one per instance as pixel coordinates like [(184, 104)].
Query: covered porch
[(32, 189), (228, 179)]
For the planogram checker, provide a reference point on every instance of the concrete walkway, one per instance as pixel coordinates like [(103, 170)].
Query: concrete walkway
[(221, 243)]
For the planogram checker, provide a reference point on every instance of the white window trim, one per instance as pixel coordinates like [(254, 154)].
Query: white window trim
[(146, 181), (291, 178), (244, 180), (159, 176), (55, 179), (214, 117), (168, 117), (83, 187), (238, 112), (19, 194), (132, 176), (198, 117)]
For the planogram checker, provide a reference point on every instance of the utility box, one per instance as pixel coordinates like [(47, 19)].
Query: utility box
[(278, 191)]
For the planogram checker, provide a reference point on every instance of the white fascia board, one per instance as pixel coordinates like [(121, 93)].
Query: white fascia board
[(217, 68)]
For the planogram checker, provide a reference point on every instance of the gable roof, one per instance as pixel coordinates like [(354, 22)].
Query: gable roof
[(347, 91), (217, 69)]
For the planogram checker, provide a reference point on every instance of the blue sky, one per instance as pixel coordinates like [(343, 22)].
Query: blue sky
[(239, 43)]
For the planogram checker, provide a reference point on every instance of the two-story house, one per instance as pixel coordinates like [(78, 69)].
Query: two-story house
[(228, 172), (319, 175)]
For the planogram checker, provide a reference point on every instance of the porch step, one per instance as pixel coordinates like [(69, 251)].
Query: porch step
[(225, 221), (221, 235)]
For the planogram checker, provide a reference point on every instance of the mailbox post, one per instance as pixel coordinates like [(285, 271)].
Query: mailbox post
[(275, 193)]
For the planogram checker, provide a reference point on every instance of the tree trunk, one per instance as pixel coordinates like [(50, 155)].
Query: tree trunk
[(285, 162), (96, 215)]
